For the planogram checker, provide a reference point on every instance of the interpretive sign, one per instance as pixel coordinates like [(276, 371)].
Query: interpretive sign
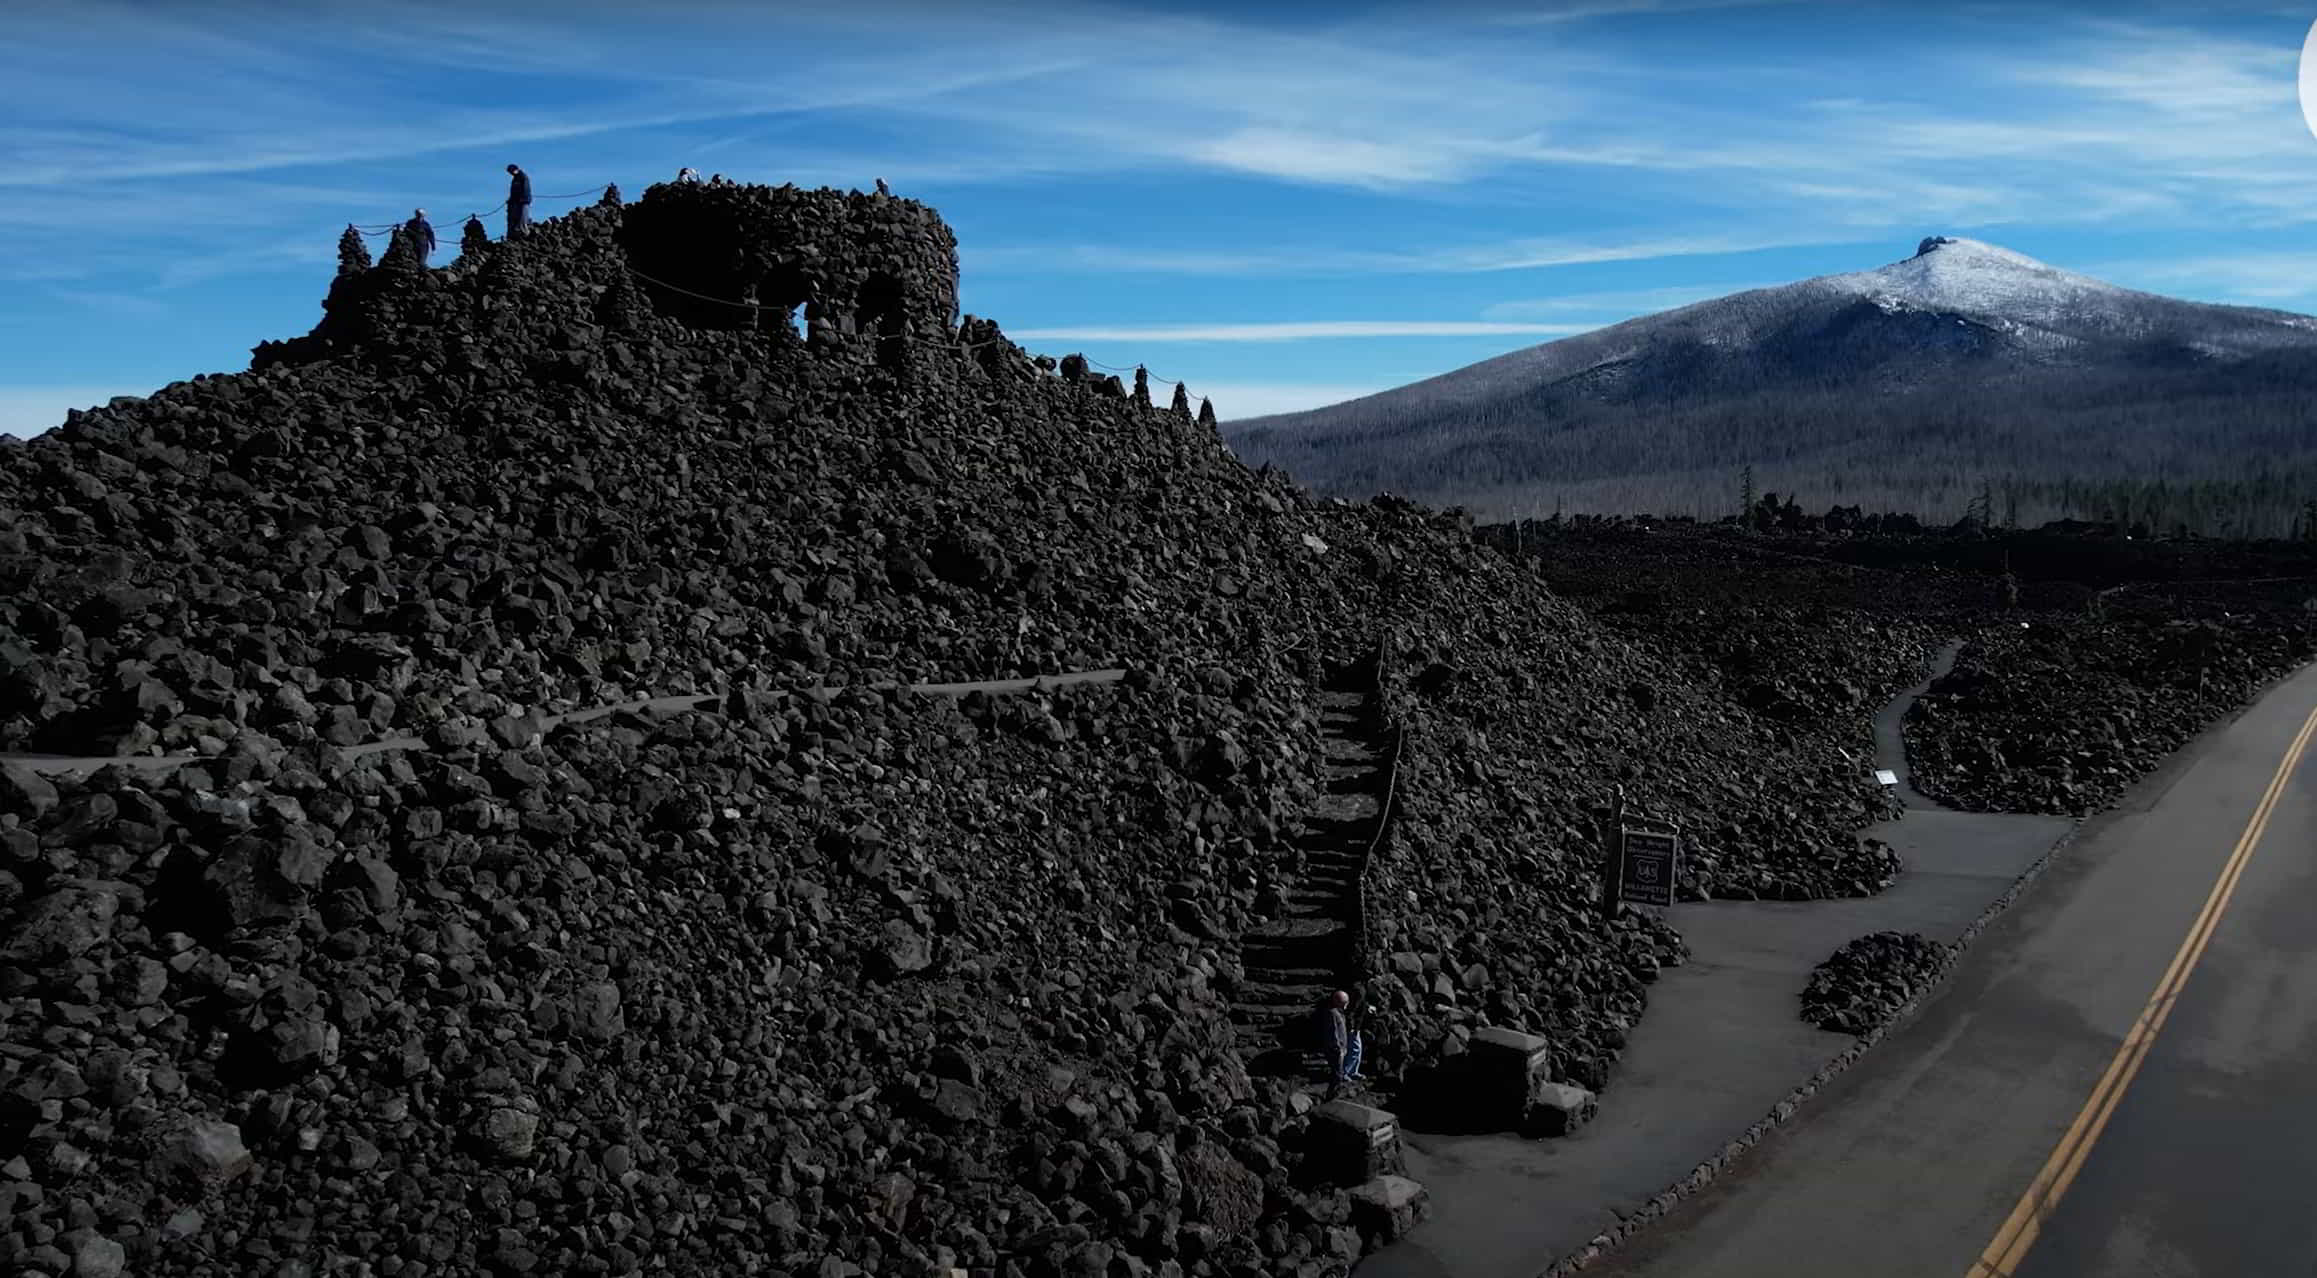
[(1650, 859), (1886, 776)]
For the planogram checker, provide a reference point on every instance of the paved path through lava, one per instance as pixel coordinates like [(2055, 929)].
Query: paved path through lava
[(2116, 1079), (1722, 1044)]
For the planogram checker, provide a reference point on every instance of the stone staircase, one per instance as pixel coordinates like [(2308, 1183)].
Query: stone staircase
[(1308, 949)]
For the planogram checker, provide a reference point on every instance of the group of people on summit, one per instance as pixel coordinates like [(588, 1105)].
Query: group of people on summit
[(419, 233)]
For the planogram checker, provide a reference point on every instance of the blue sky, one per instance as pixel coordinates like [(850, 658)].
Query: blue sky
[(1283, 205)]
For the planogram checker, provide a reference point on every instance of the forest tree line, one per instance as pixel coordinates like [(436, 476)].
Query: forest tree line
[(2239, 466)]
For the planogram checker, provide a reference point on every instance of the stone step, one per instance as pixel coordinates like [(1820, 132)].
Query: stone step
[(1289, 993), (1272, 1016), (1283, 976)]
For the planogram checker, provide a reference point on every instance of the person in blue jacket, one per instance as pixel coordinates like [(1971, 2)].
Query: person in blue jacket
[(420, 233)]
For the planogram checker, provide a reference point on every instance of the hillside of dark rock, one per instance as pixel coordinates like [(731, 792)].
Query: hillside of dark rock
[(853, 982)]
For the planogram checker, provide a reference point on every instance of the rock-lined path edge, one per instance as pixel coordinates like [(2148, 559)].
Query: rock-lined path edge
[(79, 765)]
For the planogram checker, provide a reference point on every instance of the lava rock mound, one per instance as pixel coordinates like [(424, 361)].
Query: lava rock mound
[(829, 978), (1865, 983)]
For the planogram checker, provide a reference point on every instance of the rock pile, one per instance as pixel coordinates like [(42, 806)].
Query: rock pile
[(1866, 982), (828, 985), (2063, 715)]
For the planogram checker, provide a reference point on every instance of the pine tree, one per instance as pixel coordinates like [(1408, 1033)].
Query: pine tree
[(1977, 513)]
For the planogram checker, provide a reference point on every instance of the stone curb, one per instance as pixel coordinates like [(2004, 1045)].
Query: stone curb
[(1711, 1169)]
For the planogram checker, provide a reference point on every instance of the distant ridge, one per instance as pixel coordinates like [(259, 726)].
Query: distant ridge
[(1909, 382)]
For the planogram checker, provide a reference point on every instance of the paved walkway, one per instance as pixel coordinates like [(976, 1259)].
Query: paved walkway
[(2132, 1037), (1722, 1044), (75, 765)]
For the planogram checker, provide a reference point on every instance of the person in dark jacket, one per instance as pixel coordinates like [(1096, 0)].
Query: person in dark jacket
[(518, 199), (1332, 1035), (420, 233)]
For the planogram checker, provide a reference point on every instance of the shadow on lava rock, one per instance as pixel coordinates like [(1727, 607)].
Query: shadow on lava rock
[(1282, 1061)]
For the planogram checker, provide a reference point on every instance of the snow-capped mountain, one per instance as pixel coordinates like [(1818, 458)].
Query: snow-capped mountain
[(1960, 328)]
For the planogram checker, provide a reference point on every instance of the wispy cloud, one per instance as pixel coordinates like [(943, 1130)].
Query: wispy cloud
[(1528, 253), (235, 136), (1235, 400), (1623, 303), (1573, 250), (271, 254), (1289, 332), (1311, 156), (1584, 10), (117, 305), (2254, 278), (263, 66)]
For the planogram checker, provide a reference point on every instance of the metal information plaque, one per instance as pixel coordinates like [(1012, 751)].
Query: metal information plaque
[(1650, 860)]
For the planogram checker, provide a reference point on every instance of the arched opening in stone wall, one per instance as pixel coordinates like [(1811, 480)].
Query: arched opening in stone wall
[(881, 312), (701, 266), (781, 295)]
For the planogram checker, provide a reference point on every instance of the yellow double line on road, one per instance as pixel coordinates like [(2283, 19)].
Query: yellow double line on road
[(2043, 1194)]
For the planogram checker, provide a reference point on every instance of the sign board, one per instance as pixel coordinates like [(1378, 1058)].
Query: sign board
[(1650, 860), (1886, 776)]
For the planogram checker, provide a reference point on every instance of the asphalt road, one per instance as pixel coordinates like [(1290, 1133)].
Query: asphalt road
[(2119, 1079)]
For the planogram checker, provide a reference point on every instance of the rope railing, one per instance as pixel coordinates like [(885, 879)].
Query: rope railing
[(1365, 961), (374, 230), (966, 346)]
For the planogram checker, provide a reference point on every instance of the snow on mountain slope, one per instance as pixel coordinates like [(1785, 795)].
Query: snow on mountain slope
[(1952, 274), (1955, 303)]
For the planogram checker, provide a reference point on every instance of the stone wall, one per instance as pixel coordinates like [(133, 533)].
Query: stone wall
[(871, 276)]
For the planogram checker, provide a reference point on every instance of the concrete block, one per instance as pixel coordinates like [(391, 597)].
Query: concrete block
[(1557, 1109), (1353, 1143), (1386, 1208), (1501, 1052)]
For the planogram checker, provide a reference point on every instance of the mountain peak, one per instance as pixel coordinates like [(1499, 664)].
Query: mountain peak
[(1955, 247), (1949, 273)]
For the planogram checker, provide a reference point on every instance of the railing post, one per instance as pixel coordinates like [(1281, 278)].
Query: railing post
[(1612, 845)]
